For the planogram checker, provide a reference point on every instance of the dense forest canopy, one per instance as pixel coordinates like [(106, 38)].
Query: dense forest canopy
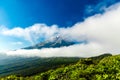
[(104, 67)]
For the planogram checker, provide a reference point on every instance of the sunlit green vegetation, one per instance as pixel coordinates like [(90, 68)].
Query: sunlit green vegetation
[(104, 67)]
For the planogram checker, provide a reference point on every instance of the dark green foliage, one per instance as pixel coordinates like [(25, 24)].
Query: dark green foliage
[(104, 67), (31, 66)]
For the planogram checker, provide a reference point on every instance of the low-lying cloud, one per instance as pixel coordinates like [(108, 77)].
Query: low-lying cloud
[(101, 32), (78, 50)]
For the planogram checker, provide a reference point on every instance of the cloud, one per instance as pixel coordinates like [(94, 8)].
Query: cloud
[(70, 51), (99, 7), (32, 33), (101, 32)]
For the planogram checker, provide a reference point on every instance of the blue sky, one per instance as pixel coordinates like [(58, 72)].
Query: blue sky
[(25, 13), (63, 13)]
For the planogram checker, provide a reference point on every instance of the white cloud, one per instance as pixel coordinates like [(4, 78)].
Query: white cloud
[(99, 7), (70, 51), (101, 31), (31, 33)]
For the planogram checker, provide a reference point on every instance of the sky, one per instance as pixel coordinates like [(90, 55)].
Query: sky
[(24, 23), (64, 13)]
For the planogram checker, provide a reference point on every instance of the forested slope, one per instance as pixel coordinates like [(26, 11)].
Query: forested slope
[(104, 67)]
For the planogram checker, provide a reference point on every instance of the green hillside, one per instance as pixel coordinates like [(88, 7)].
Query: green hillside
[(22, 66), (104, 67)]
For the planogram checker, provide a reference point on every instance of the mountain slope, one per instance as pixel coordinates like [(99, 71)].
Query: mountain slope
[(58, 42), (107, 67), (33, 65)]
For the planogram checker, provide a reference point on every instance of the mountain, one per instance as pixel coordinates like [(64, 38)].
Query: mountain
[(103, 67), (22, 66), (57, 42)]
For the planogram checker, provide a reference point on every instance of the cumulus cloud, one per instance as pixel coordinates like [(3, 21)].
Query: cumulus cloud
[(32, 33), (101, 32)]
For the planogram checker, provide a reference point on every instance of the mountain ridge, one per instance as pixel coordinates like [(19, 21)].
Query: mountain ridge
[(55, 43)]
